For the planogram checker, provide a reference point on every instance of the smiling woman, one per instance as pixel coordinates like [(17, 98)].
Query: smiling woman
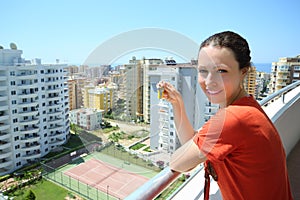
[(240, 146)]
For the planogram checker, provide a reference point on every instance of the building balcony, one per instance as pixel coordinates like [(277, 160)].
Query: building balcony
[(31, 147), (54, 90), (54, 105), (4, 127), (37, 154), (57, 142), (30, 139), (281, 84), (3, 78), (4, 135), (4, 145), (29, 122), (26, 76), (28, 104), (5, 154), (55, 120), (55, 128), (5, 163), (29, 113), (28, 86), (56, 134), (30, 130), (4, 117), (54, 113), (3, 88), (54, 98), (3, 98), (283, 108), (3, 108)]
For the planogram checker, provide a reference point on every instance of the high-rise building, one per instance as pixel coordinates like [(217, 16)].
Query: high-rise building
[(250, 81), (163, 136), (75, 85), (133, 80), (148, 65), (72, 94), (34, 109), (137, 87), (284, 72)]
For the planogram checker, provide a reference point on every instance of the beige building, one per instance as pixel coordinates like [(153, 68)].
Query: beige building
[(284, 72), (72, 94), (137, 87), (250, 81), (97, 97)]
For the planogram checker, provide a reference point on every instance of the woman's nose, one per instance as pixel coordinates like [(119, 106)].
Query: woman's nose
[(210, 79)]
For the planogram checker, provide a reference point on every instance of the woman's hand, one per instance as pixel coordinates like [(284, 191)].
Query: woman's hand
[(169, 92), (185, 130)]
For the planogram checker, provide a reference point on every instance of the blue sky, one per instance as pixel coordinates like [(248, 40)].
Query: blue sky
[(71, 30)]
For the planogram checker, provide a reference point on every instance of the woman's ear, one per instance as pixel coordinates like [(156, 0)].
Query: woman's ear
[(245, 70)]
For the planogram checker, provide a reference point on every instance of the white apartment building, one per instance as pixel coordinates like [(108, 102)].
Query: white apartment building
[(34, 109), (163, 136), (87, 118), (148, 66)]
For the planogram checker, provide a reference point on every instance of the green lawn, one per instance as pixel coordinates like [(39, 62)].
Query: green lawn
[(44, 190)]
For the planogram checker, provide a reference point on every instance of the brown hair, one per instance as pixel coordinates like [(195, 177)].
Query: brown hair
[(233, 41)]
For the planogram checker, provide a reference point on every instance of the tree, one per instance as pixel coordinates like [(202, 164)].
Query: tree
[(30, 196)]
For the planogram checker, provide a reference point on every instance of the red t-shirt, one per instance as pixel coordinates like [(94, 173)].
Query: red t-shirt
[(246, 152)]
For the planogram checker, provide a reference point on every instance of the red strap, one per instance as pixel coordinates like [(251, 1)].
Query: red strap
[(207, 182)]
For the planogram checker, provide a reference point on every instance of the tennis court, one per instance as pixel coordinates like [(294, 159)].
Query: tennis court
[(112, 180)]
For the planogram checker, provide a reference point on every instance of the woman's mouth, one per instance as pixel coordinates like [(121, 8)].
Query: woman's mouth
[(213, 92)]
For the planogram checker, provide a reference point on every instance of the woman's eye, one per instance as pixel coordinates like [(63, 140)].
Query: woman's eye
[(222, 70), (202, 71)]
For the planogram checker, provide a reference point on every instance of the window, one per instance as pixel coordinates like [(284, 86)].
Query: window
[(297, 68), (12, 73), (12, 83)]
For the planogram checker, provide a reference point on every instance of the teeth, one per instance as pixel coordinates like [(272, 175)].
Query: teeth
[(212, 92)]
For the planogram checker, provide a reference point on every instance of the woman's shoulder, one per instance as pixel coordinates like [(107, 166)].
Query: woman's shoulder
[(244, 108)]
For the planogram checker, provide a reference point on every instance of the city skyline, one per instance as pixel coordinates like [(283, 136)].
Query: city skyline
[(70, 31)]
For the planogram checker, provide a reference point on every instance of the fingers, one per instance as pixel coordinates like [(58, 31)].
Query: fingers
[(163, 84)]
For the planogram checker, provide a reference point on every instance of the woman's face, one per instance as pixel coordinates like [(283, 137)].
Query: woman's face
[(219, 75)]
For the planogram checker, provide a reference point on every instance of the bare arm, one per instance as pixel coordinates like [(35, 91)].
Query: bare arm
[(186, 157)]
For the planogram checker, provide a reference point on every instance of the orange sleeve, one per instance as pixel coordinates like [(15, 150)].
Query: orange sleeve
[(220, 135)]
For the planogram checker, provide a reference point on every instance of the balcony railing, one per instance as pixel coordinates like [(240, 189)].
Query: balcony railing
[(157, 184)]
